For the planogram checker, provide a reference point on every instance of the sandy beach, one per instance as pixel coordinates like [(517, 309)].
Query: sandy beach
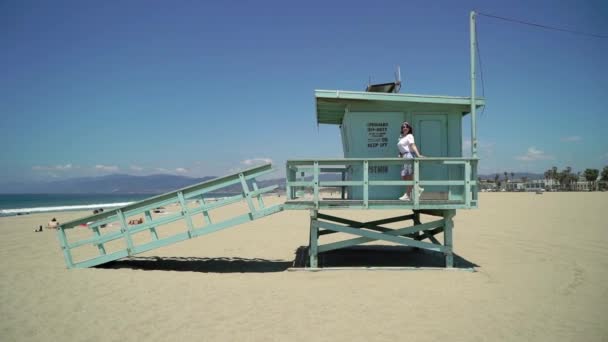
[(541, 262)]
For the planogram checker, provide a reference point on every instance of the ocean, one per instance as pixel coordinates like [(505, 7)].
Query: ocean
[(22, 204)]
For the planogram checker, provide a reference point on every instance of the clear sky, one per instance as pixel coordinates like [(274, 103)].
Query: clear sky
[(201, 88)]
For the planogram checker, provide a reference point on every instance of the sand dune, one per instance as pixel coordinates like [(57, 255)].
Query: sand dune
[(542, 275)]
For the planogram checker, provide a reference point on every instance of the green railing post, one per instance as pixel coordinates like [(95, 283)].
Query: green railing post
[(185, 212), (153, 232), (416, 184), (315, 170), (365, 184), (247, 193), (467, 184), (102, 249), (313, 241), (124, 229), (205, 212), (447, 237), (67, 253), (259, 196)]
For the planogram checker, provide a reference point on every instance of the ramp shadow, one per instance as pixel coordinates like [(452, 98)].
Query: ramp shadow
[(380, 256), (205, 265)]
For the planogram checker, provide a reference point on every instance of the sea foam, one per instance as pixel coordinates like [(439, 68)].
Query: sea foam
[(18, 211)]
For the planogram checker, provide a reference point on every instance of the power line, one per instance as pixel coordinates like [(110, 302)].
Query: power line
[(544, 26)]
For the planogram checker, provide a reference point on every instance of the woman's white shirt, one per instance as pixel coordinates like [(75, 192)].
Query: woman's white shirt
[(404, 144)]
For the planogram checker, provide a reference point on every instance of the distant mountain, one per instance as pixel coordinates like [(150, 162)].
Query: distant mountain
[(111, 184)]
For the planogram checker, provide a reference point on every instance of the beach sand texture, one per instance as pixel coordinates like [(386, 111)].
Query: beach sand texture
[(542, 275)]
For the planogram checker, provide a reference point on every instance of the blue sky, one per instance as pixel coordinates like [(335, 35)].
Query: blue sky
[(201, 88)]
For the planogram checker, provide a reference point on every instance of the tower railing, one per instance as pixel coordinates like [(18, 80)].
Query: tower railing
[(143, 226), (307, 181)]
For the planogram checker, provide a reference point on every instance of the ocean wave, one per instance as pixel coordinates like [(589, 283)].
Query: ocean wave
[(17, 211)]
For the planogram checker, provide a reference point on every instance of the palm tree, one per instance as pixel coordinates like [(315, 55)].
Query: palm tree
[(555, 174), (591, 176)]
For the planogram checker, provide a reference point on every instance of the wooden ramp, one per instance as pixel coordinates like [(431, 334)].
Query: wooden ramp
[(145, 225)]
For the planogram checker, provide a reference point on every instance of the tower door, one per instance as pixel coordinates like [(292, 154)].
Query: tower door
[(431, 135)]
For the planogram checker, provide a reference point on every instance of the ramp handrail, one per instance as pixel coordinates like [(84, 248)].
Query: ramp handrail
[(253, 197), (309, 170)]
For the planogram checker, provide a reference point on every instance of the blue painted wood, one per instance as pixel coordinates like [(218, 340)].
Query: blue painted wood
[(446, 200), (313, 241), (100, 246), (380, 236), (63, 241), (124, 229), (185, 212), (180, 196), (153, 232), (448, 239), (396, 232)]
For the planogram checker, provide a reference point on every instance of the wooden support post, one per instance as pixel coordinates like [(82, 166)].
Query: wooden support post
[(124, 229), (153, 232), (365, 184), (416, 186), (314, 237), (67, 254), (102, 249), (289, 178), (316, 183), (416, 220), (467, 186), (448, 239), (185, 212), (247, 194), (343, 194), (205, 212), (259, 196)]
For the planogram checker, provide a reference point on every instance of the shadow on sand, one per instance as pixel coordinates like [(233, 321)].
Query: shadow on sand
[(380, 256), (205, 265), (356, 257)]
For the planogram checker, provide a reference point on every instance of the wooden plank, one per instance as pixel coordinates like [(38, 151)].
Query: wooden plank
[(365, 184), (185, 212), (447, 237), (360, 240), (124, 229), (259, 196), (246, 193), (316, 183), (204, 210), (100, 246), (314, 239), (381, 236), (63, 241), (153, 232)]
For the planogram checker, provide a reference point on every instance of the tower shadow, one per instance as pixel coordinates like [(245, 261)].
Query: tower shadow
[(380, 256), (205, 265)]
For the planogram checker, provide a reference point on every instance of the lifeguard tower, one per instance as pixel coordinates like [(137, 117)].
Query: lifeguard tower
[(368, 177)]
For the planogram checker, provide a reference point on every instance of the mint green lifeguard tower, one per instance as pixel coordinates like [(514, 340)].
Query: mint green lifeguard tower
[(368, 177)]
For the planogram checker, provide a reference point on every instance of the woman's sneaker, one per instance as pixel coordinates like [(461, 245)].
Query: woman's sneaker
[(405, 197)]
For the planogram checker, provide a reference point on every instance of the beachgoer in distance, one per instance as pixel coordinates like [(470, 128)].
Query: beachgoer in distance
[(407, 149), (53, 224)]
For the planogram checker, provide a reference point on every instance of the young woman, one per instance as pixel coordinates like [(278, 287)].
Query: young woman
[(407, 149)]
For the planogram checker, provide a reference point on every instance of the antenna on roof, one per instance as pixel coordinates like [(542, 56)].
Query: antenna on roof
[(398, 79), (392, 87)]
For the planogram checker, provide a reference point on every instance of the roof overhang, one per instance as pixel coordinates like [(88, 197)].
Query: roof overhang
[(331, 104)]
